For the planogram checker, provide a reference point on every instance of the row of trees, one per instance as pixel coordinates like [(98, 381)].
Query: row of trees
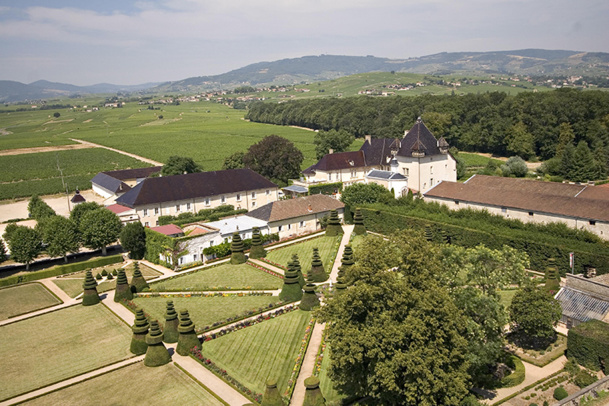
[(526, 125)]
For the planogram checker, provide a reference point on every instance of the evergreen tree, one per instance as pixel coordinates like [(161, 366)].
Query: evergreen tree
[(552, 277), (187, 339), (568, 165), (334, 228), (358, 220), (257, 250), (140, 329), (138, 283), (313, 395), (565, 137), (237, 256), (290, 291), (347, 259), (317, 272), (90, 296), (298, 269), (309, 298), (585, 168), (156, 353), (133, 239), (171, 324), (123, 290), (271, 396)]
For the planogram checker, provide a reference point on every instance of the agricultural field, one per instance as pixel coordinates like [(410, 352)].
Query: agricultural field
[(254, 354), (165, 385), (58, 345), (28, 174), (328, 246), (25, 298), (204, 311), (222, 277)]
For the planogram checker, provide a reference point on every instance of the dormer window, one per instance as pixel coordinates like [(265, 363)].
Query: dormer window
[(351, 163)]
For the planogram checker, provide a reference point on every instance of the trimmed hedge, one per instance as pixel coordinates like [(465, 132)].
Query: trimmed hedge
[(326, 188), (202, 215), (588, 343), (469, 228), (61, 270), (516, 377)]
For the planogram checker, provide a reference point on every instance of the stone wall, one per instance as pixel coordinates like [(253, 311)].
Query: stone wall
[(574, 400)]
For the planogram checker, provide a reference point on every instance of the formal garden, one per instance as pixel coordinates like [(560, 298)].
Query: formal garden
[(328, 247), (26, 298)]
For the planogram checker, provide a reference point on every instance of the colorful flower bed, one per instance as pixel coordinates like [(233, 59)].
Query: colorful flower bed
[(299, 360), (320, 354)]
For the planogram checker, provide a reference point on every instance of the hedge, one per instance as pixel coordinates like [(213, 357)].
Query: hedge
[(61, 270), (326, 188), (494, 233), (202, 215), (588, 343), (516, 377), (154, 246)]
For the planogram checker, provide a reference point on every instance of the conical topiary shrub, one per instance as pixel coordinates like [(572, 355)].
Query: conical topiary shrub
[(271, 396), (358, 221), (317, 272), (156, 354), (90, 295), (291, 291), (347, 259), (138, 283), (257, 250), (309, 298), (298, 269), (552, 277), (140, 329), (123, 290), (334, 228), (236, 247), (170, 332), (340, 285), (313, 395), (428, 234), (187, 339)]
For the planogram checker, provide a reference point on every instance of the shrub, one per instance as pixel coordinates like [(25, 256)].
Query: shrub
[(560, 393), (584, 378), (326, 188), (110, 277), (98, 276), (588, 344), (104, 272), (571, 367), (516, 377)]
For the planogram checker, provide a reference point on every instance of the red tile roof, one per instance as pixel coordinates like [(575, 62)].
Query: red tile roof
[(292, 208), (117, 208), (169, 229)]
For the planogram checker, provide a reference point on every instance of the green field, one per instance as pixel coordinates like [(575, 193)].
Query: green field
[(476, 160), (223, 277), (328, 247), (204, 311), (256, 353), (506, 296), (165, 385), (55, 346), (25, 299), (325, 384)]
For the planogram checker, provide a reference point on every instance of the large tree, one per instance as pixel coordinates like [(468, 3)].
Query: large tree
[(133, 239), (25, 245), (275, 158), (535, 312), (338, 141), (79, 211), (60, 236), (39, 209), (100, 228), (361, 193), (179, 165), (234, 161), (2, 251)]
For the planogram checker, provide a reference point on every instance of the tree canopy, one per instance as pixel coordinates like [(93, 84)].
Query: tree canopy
[(133, 239), (535, 312), (60, 236), (275, 158), (99, 228), (234, 161), (179, 165), (25, 245), (338, 141), (39, 209), (361, 193)]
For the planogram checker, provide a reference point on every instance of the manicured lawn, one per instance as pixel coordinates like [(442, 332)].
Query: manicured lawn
[(53, 347), (506, 296), (24, 299), (325, 384), (256, 353), (166, 385), (204, 311), (221, 277), (327, 250)]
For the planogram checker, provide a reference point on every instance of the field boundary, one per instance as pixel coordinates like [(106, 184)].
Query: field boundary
[(138, 157)]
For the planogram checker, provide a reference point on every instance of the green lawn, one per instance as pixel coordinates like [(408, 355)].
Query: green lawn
[(24, 299), (256, 353), (166, 385), (204, 311), (55, 346), (325, 384), (221, 277), (506, 296), (328, 247)]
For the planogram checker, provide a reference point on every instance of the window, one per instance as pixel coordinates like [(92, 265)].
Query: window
[(194, 257), (531, 213), (253, 195), (289, 226), (181, 260), (279, 228), (147, 224), (223, 199), (156, 210), (253, 204), (302, 224), (157, 223), (177, 208), (592, 222), (238, 197), (329, 176), (145, 212), (406, 170), (268, 192), (431, 170), (431, 182), (504, 210), (457, 202), (207, 201), (353, 173), (187, 206)]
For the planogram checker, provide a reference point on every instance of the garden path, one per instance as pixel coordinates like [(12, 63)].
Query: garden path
[(308, 364), (117, 308), (139, 158), (345, 240), (57, 291), (267, 266)]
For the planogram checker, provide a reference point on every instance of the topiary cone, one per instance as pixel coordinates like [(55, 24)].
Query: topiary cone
[(170, 333), (347, 259), (123, 290), (271, 396), (358, 221), (156, 354), (140, 329), (90, 296), (298, 269), (309, 298), (317, 272), (290, 291), (187, 339), (313, 396), (257, 250), (428, 234), (236, 247), (138, 283), (334, 228)]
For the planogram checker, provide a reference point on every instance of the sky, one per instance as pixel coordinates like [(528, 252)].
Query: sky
[(133, 42)]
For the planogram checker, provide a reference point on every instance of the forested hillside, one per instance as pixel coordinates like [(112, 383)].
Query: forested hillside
[(546, 125)]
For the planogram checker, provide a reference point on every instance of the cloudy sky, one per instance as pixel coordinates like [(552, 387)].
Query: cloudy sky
[(131, 42)]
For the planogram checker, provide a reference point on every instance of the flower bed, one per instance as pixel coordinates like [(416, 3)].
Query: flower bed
[(268, 270), (299, 360), (273, 263), (320, 354)]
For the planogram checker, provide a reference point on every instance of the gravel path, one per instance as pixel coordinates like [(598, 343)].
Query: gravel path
[(139, 158)]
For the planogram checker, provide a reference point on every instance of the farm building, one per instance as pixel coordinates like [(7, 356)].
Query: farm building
[(194, 238), (583, 299), (579, 206), (112, 184)]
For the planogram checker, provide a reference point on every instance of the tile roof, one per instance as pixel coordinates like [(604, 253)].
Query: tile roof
[(581, 306), (387, 175), (340, 160), (78, 198), (419, 138), (292, 208), (193, 185), (137, 173), (238, 223), (168, 229), (378, 150), (118, 209), (109, 183), (531, 195)]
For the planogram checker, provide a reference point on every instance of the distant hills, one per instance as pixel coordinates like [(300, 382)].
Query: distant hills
[(534, 62)]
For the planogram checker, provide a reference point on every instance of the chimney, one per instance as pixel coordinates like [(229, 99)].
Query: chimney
[(310, 208), (368, 139), (330, 151)]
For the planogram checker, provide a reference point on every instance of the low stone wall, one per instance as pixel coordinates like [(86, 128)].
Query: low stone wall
[(573, 400)]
